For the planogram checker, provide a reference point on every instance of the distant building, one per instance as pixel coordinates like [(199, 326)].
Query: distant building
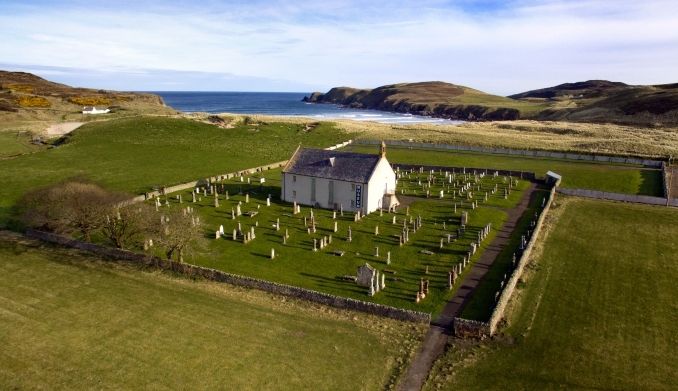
[(334, 180), (93, 110)]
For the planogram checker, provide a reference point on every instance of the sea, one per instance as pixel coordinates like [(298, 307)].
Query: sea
[(283, 104)]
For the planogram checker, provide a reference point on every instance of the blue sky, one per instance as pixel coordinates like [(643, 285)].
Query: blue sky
[(500, 47)]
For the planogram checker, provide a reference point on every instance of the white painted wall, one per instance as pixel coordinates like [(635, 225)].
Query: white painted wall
[(382, 178)]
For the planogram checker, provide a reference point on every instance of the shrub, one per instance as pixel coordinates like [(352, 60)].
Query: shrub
[(91, 101), (31, 101)]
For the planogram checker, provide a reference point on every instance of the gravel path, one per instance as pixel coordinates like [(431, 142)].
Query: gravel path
[(437, 336)]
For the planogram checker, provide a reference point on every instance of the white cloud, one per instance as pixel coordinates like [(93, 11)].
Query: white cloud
[(501, 48)]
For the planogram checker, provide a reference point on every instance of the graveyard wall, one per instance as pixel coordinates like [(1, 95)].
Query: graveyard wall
[(248, 282), (506, 294), (664, 182), (203, 182), (518, 174), (519, 152), (470, 328), (604, 195)]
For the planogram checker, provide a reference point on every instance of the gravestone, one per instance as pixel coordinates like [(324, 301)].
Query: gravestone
[(365, 274), (272, 253), (376, 251), (388, 258)]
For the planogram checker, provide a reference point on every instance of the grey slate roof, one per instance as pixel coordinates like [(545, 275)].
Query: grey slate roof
[(348, 166)]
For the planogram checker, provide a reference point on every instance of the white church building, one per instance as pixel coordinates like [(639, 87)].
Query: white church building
[(335, 179)]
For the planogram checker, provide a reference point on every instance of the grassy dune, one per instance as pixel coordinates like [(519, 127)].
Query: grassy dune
[(596, 309), (69, 320)]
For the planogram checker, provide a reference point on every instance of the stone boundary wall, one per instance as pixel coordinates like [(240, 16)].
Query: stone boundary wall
[(518, 174), (340, 145), (604, 195), (520, 152), (470, 328), (201, 182), (233, 279), (664, 182)]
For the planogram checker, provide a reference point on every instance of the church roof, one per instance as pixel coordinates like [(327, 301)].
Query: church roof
[(346, 166)]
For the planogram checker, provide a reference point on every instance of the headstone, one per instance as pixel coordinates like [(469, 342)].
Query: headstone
[(218, 235), (235, 234), (348, 238), (216, 202), (238, 212), (376, 230), (388, 257), (383, 282), (268, 202), (247, 198), (365, 274), (376, 251), (272, 253), (287, 233), (226, 195), (315, 244), (277, 224), (192, 197), (294, 208), (232, 214), (394, 220), (221, 229), (335, 226), (252, 233)]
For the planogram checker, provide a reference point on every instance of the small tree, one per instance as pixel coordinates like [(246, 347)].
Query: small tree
[(127, 224), (68, 207), (179, 233)]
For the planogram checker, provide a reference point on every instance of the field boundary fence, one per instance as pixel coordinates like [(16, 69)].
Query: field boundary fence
[(234, 279), (604, 195), (519, 152)]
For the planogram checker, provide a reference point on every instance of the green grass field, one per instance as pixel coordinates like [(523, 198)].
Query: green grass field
[(585, 175), (596, 311), (135, 154), (70, 321), (296, 264), (12, 145)]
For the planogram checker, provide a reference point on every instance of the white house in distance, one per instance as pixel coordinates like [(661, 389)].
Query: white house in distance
[(93, 110), (334, 180)]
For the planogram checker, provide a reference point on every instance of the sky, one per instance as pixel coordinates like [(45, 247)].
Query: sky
[(500, 47)]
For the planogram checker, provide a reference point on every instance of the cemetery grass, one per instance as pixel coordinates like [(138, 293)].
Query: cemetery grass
[(595, 310), (481, 304), (625, 179), (136, 154), (70, 320), (296, 264)]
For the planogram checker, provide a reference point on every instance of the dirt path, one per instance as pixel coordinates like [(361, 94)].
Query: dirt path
[(437, 336)]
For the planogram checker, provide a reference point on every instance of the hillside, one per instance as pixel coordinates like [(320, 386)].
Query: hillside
[(436, 99), (24, 96), (592, 101), (584, 89)]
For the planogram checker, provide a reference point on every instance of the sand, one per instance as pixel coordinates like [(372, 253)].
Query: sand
[(63, 128)]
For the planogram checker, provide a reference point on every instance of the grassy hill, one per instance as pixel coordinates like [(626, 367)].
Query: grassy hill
[(430, 98), (27, 97), (597, 101)]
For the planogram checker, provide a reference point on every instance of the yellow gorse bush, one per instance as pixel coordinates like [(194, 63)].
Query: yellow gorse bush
[(32, 101), (20, 88), (90, 101)]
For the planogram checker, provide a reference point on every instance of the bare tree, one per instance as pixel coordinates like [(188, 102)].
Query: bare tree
[(179, 232), (69, 207), (124, 225)]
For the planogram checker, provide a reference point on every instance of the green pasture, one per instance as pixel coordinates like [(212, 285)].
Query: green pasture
[(625, 179), (70, 321), (11, 145), (136, 154), (595, 311), (296, 264)]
